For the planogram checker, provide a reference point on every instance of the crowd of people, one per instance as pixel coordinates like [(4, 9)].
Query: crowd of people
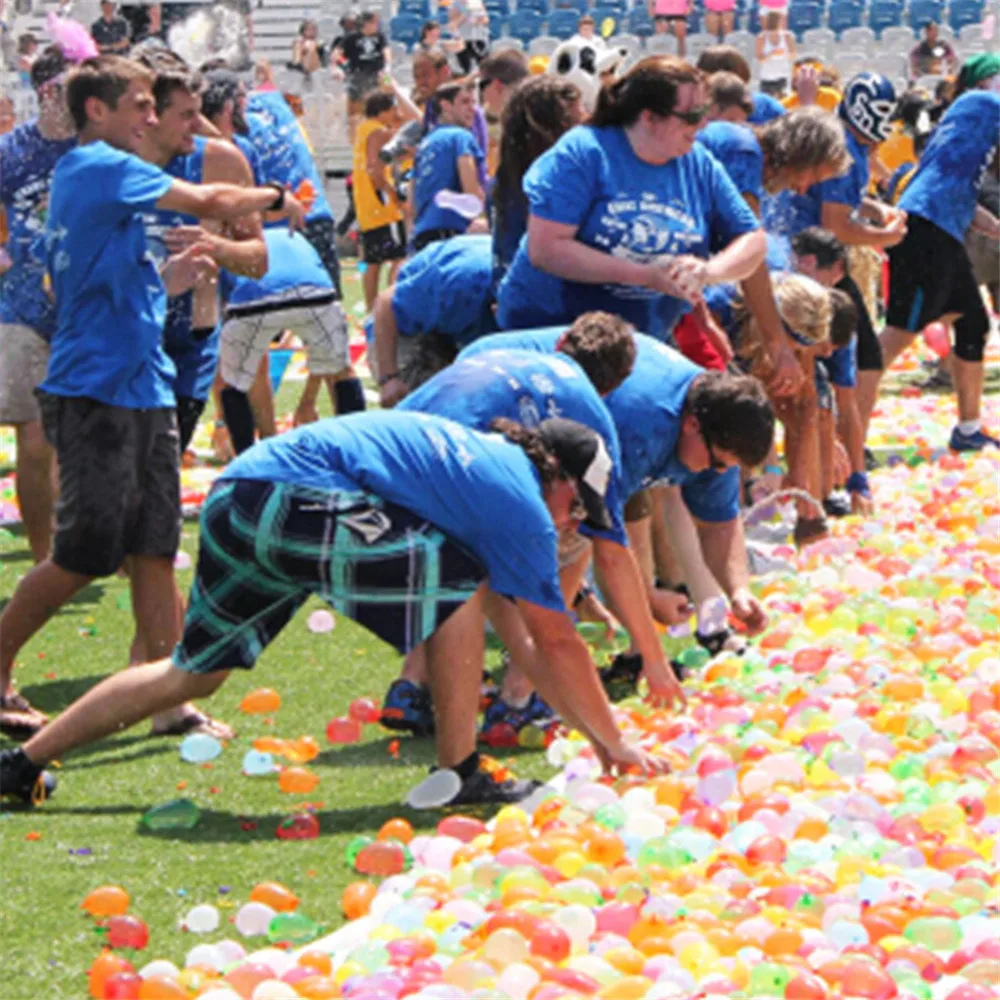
[(590, 301)]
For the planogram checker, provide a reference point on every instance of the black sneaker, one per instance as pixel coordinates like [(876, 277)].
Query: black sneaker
[(621, 676), (492, 784), (837, 505), (871, 462), (407, 708), (23, 781)]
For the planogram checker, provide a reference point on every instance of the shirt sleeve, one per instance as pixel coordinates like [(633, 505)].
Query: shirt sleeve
[(731, 215), (141, 184), (746, 170), (466, 145), (529, 569), (842, 190), (561, 183), (843, 366), (713, 496), (415, 310)]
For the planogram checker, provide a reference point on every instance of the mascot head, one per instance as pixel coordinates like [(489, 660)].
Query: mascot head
[(587, 67)]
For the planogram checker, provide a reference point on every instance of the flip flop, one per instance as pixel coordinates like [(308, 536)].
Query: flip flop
[(196, 722), (19, 719)]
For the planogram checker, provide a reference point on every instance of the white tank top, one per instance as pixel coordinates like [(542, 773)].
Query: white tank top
[(776, 63)]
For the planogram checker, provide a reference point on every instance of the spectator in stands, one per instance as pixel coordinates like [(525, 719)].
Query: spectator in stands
[(348, 26), (729, 99), (307, 53), (720, 17), (110, 30), (447, 163), (144, 20), (671, 17), (586, 34), (27, 51), (366, 55), (469, 22), (719, 58), (811, 84), (932, 55), (775, 55), (499, 73), (430, 36)]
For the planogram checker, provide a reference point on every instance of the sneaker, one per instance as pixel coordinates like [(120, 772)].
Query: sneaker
[(407, 708), (837, 505), (940, 378), (871, 462), (492, 784), (621, 676), (23, 781), (971, 442), (500, 712)]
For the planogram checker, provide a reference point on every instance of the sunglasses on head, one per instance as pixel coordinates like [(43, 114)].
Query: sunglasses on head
[(693, 116)]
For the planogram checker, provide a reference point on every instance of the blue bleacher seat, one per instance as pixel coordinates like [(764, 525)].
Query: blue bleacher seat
[(499, 7), (844, 14), (580, 6), (498, 24), (603, 13), (922, 11), (885, 14), (421, 8), (963, 12), (619, 5), (803, 16), (562, 23), (638, 22), (525, 24), (405, 28), (539, 6)]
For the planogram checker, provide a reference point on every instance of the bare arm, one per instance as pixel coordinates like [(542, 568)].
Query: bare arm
[(226, 201), (985, 222), (469, 178), (759, 297), (685, 540), (373, 162), (391, 387), (739, 260), (851, 232)]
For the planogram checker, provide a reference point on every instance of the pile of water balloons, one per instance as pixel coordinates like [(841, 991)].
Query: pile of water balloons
[(829, 829)]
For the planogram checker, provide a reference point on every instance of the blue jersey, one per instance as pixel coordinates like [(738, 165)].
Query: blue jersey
[(285, 156), (738, 150), (647, 409), (788, 213), (27, 160), (954, 164), (435, 169), (618, 204), (111, 304), (765, 109), (479, 489), (527, 387), (446, 289), (842, 366), (194, 357)]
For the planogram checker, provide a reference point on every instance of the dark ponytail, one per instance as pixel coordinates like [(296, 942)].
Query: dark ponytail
[(530, 442)]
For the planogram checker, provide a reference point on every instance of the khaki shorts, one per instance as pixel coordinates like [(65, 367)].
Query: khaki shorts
[(24, 357)]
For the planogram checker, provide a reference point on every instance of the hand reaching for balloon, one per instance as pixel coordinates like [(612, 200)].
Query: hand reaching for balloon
[(787, 375), (682, 277), (665, 689), (623, 758), (746, 608)]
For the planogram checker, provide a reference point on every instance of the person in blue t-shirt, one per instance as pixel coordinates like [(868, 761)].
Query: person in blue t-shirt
[(441, 300), (191, 336), (682, 426), (931, 275), (446, 164), (728, 59), (623, 211), (592, 358), (399, 521), (107, 401), (28, 155)]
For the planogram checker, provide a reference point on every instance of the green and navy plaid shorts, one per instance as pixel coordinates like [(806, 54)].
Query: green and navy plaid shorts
[(266, 547)]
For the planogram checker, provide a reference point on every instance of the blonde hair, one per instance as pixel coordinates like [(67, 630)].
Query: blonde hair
[(804, 306), (801, 140)]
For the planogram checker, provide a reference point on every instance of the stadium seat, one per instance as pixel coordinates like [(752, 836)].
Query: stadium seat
[(498, 25), (745, 42), (845, 15), (525, 25), (405, 29), (632, 44), (501, 7), (803, 16), (962, 13), (562, 23), (899, 39), (543, 45), (971, 37), (608, 19), (421, 8), (580, 6), (884, 14), (921, 11), (890, 64), (638, 22), (619, 5), (400, 53), (506, 42), (858, 40), (696, 44), (661, 45), (539, 6), (928, 82), (851, 63), (819, 42)]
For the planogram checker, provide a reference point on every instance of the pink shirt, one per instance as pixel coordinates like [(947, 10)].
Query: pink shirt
[(670, 8)]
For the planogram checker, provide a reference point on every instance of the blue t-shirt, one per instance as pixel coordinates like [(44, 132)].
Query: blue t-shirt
[(435, 169), (111, 304), (528, 387), (737, 149), (194, 358), (842, 366), (954, 163), (446, 289), (26, 162), (292, 264), (765, 108), (592, 180), (646, 409), (789, 213), (479, 489), (285, 156)]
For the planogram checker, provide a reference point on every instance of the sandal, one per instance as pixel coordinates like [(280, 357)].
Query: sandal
[(19, 719), (196, 722)]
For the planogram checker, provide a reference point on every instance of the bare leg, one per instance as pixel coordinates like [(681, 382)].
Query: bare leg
[(827, 433), (969, 376), (35, 487), (415, 665), (867, 394), (262, 400), (455, 656), (117, 703), (894, 341), (369, 284)]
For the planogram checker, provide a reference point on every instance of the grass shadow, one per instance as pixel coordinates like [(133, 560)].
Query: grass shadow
[(54, 696)]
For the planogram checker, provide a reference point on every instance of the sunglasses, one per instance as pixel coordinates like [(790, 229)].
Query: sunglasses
[(694, 116)]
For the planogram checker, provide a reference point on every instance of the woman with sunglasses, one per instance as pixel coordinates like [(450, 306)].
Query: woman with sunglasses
[(626, 209)]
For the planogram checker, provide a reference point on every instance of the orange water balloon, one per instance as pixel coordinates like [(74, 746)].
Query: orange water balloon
[(356, 899), (107, 901), (297, 780), (261, 701), (275, 895)]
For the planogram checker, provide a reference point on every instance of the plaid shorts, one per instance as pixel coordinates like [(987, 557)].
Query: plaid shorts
[(266, 547)]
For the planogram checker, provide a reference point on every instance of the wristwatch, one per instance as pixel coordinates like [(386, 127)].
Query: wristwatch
[(279, 202)]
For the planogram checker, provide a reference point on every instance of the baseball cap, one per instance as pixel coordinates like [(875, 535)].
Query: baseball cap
[(583, 456)]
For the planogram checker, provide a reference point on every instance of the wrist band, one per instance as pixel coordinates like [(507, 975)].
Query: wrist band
[(775, 470), (857, 482), (386, 379), (581, 595), (279, 201)]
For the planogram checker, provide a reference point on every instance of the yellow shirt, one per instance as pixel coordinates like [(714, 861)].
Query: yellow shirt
[(897, 149), (827, 98), (373, 207)]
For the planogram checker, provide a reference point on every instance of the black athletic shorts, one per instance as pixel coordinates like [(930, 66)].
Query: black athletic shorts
[(322, 234), (189, 411), (383, 244), (119, 482), (930, 275), (869, 350)]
